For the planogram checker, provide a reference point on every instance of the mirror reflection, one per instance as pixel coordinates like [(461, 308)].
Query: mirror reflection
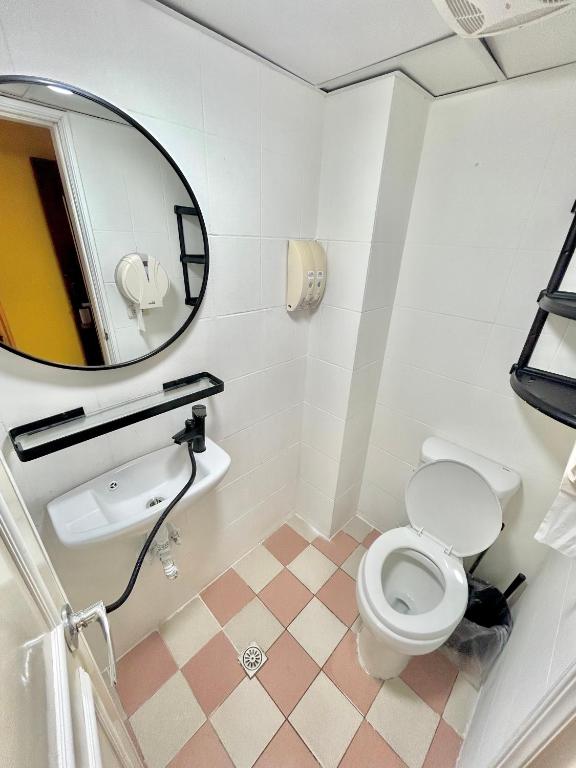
[(93, 223)]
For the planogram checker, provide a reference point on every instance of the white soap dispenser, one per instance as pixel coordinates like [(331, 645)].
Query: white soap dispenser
[(306, 274), (143, 281)]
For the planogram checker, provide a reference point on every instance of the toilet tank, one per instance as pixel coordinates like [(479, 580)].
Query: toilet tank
[(503, 480)]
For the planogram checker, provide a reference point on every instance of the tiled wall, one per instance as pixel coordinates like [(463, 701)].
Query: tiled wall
[(130, 192), (248, 139), (370, 152), (491, 209), (353, 143)]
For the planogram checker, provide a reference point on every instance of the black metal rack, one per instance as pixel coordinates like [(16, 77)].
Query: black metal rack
[(187, 258), (54, 433), (551, 393)]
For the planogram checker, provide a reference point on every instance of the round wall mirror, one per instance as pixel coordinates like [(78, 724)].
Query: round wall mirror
[(103, 247)]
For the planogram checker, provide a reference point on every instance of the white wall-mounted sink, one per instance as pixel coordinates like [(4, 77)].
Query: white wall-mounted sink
[(130, 498)]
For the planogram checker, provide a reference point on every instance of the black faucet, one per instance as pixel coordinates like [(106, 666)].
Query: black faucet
[(194, 431)]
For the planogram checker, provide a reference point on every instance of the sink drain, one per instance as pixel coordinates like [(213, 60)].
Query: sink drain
[(252, 659), (154, 501)]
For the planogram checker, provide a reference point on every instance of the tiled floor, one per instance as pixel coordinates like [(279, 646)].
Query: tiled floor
[(191, 705)]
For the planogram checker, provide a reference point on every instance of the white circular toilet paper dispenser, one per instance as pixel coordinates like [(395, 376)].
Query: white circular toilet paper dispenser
[(143, 281)]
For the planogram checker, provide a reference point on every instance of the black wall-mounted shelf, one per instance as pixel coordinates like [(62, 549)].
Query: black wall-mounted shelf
[(550, 393), (188, 258), (54, 433), (561, 303)]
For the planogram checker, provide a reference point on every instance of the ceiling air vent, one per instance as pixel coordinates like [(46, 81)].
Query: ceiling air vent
[(467, 15), (492, 17)]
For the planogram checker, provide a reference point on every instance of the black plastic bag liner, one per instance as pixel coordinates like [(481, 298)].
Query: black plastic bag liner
[(480, 637)]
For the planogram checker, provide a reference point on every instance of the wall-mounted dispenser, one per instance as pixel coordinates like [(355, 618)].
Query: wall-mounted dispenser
[(306, 274), (143, 281)]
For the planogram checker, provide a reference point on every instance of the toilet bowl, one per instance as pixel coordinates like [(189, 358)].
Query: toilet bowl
[(411, 586)]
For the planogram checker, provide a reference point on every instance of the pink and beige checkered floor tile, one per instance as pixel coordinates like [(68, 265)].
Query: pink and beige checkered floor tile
[(190, 704)]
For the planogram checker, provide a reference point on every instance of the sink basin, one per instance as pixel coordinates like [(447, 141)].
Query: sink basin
[(130, 498)]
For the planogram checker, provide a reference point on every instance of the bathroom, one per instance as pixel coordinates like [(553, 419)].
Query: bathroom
[(435, 174)]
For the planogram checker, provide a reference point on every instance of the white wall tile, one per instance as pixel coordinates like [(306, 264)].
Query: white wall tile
[(235, 273), (451, 346), (322, 430), (6, 64), (405, 134), (105, 171), (274, 254), (528, 276), (351, 468), (564, 360), (387, 472), (369, 163), (380, 509), (282, 386), (504, 347), (346, 274), (291, 115), (278, 432), (345, 507), (281, 190), (398, 435), (315, 507), (308, 194), (363, 388), (120, 311), (239, 406), (110, 247), (231, 92), (319, 470), (234, 206), (74, 50), (548, 222), (372, 335), (352, 151), (328, 387), (236, 344), (383, 271), (241, 448), (490, 152), (457, 280), (285, 335), (334, 334), (187, 147), (472, 417)]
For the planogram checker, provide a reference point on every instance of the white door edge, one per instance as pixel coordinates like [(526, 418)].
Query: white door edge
[(58, 705), (554, 710), (23, 542), (93, 757)]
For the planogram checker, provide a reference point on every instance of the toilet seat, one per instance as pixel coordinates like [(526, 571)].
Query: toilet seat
[(454, 505), (435, 623)]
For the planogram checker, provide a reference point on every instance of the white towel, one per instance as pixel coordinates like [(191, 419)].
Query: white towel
[(558, 529)]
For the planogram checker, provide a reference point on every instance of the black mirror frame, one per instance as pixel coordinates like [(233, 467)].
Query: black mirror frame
[(33, 80)]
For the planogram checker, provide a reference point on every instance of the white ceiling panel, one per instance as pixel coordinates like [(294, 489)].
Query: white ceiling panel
[(444, 67), (323, 39), (538, 46)]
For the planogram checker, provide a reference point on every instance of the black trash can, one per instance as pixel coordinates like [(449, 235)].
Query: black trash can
[(480, 637)]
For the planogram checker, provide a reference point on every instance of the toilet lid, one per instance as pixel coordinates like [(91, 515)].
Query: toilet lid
[(454, 504)]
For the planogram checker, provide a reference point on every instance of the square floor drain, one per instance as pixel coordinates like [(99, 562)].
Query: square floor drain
[(252, 659)]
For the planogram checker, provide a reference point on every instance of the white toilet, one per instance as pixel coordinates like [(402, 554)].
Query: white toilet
[(411, 586)]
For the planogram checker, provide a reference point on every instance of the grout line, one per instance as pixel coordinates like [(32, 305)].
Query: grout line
[(321, 668)]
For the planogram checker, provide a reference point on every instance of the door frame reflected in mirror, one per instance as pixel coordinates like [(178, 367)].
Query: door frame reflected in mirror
[(56, 121)]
